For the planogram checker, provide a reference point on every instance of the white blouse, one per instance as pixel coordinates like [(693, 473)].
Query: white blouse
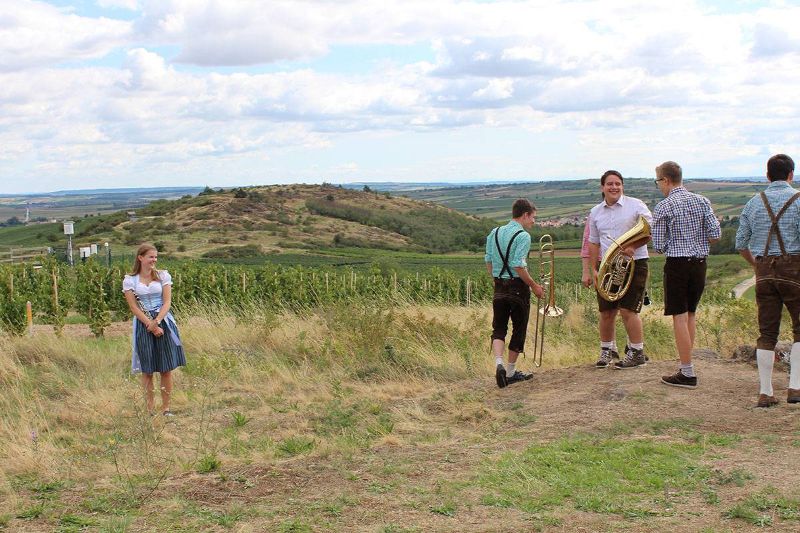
[(152, 290)]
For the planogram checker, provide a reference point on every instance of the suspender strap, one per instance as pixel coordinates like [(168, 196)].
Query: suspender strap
[(505, 268), (775, 218)]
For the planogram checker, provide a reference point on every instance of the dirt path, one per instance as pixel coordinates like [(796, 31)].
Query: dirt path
[(742, 287)]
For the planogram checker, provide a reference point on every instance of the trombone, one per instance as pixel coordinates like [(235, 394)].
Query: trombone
[(546, 307)]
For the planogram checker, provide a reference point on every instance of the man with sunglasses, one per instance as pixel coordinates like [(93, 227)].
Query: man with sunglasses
[(684, 225)]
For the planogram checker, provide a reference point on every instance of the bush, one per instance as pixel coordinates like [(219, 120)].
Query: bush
[(233, 252)]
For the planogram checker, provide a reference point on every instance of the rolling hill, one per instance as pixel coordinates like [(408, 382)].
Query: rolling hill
[(255, 221)]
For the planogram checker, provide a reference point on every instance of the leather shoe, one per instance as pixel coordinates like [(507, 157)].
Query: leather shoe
[(766, 401), (793, 396), (500, 376)]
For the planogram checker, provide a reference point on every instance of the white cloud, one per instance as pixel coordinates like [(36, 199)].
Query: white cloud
[(625, 81), (131, 5), (36, 34)]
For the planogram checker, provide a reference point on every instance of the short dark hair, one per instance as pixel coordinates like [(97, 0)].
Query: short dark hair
[(608, 173), (779, 167), (522, 206), (671, 171)]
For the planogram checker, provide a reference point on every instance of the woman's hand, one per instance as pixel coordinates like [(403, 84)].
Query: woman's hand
[(158, 332)]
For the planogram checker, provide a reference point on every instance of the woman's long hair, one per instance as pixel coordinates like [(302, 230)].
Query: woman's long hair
[(137, 265)]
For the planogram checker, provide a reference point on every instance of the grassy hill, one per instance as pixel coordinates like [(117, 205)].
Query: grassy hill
[(251, 222), (312, 221)]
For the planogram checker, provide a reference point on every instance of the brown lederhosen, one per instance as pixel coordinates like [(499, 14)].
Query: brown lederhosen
[(777, 284)]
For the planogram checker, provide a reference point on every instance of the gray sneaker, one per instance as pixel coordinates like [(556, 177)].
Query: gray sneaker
[(632, 359), (606, 356)]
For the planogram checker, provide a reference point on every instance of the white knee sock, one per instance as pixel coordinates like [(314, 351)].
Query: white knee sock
[(766, 359), (498, 360), (510, 369), (794, 361)]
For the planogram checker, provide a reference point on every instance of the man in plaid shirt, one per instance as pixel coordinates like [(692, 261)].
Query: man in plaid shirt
[(769, 239), (683, 227)]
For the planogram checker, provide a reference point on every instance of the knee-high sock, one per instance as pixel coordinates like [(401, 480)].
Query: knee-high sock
[(794, 361), (766, 360)]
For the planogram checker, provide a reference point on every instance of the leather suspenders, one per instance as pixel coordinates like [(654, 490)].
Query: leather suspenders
[(775, 218)]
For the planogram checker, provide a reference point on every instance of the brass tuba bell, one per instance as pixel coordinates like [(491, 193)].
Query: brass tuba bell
[(616, 269)]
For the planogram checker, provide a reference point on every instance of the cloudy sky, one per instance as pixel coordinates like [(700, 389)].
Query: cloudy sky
[(129, 93)]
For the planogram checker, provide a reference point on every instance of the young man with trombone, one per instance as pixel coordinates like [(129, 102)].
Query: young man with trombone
[(684, 225), (506, 256), (619, 229)]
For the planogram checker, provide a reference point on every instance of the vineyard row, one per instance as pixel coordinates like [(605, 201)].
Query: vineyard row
[(94, 290)]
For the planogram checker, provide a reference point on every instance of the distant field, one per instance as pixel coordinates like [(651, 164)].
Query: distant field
[(574, 198), (76, 204)]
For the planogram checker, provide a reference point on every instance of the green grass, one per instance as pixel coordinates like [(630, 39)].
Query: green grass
[(297, 445), (759, 509), (600, 475), (208, 464)]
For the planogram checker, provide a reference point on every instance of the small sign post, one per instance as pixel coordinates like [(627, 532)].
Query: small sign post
[(69, 230)]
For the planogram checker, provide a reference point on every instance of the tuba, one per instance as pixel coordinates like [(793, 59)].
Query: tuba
[(616, 269)]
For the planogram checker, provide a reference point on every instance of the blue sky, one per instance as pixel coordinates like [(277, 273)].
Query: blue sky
[(126, 93)]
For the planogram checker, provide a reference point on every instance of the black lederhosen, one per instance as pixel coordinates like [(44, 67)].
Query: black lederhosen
[(634, 297), (512, 299), (684, 282)]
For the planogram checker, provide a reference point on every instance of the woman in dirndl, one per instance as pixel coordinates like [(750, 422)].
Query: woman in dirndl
[(156, 343)]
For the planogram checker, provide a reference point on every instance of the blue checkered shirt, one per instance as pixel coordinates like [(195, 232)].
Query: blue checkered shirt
[(683, 222), (754, 222)]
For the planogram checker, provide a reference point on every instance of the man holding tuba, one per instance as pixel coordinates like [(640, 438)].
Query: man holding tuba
[(684, 225), (507, 250), (619, 232), (769, 239)]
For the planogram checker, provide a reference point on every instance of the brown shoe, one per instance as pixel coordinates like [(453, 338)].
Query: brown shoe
[(766, 401), (793, 396)]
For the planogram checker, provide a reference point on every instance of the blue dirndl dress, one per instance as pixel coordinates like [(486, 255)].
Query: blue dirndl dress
[(150, 353)]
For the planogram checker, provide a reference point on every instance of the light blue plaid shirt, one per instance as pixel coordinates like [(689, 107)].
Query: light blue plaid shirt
[(754, 222), (517, 257), (683, 222)]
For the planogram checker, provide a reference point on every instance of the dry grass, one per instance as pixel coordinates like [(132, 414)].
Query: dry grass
[(271, 389)]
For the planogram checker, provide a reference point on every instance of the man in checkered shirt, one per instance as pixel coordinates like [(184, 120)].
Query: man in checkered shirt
[(769, 239), (683, 227)]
